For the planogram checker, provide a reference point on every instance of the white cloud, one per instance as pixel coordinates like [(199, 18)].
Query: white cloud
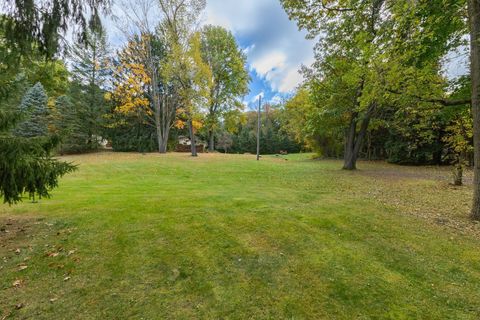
[(255, 98), (276, 99), (274, 46), (234, 15), (276, 49), (269, 62)]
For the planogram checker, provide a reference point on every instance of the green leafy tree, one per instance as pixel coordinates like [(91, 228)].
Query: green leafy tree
[(369, 46), (184, 66), (313, 123), (273, 137), (225, 140), (229, 76), (53, 75)]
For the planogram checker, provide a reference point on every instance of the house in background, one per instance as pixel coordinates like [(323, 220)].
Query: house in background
[(184, 144)]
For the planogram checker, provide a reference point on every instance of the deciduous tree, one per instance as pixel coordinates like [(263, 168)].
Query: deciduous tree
[(230, 77)]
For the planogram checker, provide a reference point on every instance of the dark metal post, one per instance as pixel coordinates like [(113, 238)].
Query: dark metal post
[(259, 126)]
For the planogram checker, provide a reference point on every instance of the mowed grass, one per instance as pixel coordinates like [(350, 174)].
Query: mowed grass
[(133, 236)]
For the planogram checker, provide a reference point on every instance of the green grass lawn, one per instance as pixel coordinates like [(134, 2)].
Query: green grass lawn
[(132, 236)]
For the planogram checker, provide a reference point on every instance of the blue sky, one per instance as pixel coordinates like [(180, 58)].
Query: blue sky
[(275, 47)]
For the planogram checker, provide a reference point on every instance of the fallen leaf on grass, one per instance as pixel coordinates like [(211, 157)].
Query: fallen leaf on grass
[(17, 283), (66, 278), (22, 267), (53, 300), (52, 254), (6, 316), (175, 275), (55, 265)]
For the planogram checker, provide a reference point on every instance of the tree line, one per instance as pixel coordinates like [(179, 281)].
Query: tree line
[(377, 88), (171, 77)]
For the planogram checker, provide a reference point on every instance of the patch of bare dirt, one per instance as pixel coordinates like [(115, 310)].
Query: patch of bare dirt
[(16, 230)]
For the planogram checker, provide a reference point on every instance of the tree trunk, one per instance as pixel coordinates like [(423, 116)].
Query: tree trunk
[(162, 145), (161, 138), (166, 134), (355, 140), (193, 145), (350, 143), (458, 174), (211, 141), (161, 125), (474, 19)]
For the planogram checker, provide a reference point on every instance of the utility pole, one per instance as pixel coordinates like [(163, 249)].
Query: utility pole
[(258, 126)]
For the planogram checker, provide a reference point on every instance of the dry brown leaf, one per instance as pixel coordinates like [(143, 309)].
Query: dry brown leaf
[(17, 283)]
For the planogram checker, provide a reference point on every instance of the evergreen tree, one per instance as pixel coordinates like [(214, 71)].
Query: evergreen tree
[(68, 125), (90, 70), (35, 112), (26, 165)]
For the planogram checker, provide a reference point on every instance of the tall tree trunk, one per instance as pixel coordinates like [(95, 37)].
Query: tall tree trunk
[(350, 143), (162, 143), (355, 139), (474, 18), (193, 144), (162, 138), (159, 104), (211, 141), (163, 146), (166, 134), (162, 126)]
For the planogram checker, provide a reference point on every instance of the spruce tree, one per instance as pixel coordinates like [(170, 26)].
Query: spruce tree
[(26, 164), (90, 71), (34, 110), (69, 126)]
